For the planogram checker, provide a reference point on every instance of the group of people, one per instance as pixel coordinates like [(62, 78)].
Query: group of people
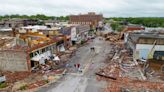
[(92, 48), (77, 67)]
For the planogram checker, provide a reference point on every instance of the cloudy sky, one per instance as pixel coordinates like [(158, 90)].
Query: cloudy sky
[(109, 8)]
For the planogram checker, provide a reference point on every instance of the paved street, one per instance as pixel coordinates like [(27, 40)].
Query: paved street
[(75, 81)]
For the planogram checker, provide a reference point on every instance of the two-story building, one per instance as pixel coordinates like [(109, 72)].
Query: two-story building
[(79, 33)]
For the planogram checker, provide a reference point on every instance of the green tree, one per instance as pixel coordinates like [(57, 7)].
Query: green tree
[(145, 21), (114, 26), (37, 16), (120, 28)]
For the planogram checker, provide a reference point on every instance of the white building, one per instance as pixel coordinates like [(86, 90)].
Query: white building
[(79, 33)]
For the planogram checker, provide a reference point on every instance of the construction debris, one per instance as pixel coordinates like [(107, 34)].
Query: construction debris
[(103, 75), (7, 42), (124, 74), (15, 76)]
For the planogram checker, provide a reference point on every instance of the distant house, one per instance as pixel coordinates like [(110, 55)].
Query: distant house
[(131, 28), (50, 23), (27, 22), (17, 22), (2, 24)]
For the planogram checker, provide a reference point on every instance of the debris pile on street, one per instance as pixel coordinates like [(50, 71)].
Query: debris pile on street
[(112, 72), (16, 76), (38, 79), (112, 37), (36, 84), (123, 84), (124, 74), (49, 77)]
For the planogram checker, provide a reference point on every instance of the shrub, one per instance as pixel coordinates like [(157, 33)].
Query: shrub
[(3, 85), (46, 81), (24, 87), (82, 42)]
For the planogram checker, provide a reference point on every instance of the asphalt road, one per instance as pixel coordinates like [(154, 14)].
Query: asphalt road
[(90, 62)]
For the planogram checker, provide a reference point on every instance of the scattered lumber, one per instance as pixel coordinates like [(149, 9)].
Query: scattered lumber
[(105, 76)]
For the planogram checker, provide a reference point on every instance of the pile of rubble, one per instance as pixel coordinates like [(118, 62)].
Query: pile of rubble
[(124, 84), (112, 37), (112, 72), (124, 74), (16, 76), (49, 77), (7, 42), (36, 80), (36, 84)]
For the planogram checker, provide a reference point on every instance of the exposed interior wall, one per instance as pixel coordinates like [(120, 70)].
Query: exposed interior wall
[(144, 49), (13, 61), (159, 41), (149, 47)]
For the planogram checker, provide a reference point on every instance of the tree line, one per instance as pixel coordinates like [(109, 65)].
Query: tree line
[(144, 21), (37, 16)]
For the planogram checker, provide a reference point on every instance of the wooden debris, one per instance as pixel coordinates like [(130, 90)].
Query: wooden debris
[(105, 76)]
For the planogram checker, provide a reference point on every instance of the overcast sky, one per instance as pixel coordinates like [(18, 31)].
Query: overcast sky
[(109, 8)]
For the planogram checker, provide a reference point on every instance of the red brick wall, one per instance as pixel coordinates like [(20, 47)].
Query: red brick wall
[(85, 19)]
